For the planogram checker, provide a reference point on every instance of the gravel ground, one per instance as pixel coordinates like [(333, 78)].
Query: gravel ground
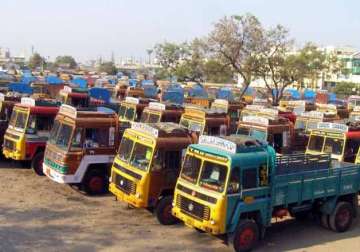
[(37, 214)]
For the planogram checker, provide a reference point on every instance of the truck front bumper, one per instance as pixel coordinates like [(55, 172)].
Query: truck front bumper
[(194, 223), (58, 177), (15, 155), (131, 199)]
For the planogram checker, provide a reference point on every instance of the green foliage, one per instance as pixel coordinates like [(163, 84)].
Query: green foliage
[(107, 67), (345, 88), (65, 61), (35, 61), (216, 72)]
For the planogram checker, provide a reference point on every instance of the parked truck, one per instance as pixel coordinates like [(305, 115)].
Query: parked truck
[(339, 140), (235, 186), (161, 112), (205, 121), (29, 129), (147, 165), (278, 131), (81, 148)]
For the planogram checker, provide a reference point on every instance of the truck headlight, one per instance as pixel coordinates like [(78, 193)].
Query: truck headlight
[(138, 195), (212, 222)]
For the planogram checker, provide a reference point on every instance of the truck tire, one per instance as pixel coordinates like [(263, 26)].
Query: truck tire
[(95, 182), (37, 163), (246, 236), (163, 211), (341, 219)]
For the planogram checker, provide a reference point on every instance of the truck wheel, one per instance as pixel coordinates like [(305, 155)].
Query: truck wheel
[(324, 220), (246, 236), (163, 211), (37, 163), (340, 220), (95, 182)]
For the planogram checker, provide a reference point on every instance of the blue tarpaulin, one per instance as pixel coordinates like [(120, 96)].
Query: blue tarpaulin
[(332, 97), (80, 82), (28, 79), (150, 91), (54, 80), (225, 93), (309, 95), (198, 90), (100, 94), (20, 88), (132, 82), (174, 94)]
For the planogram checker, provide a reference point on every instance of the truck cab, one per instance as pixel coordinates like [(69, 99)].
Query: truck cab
[(6, 106), (293, 105), (353, 101), (29, 129), (333, 110), (339, 140), (130, 110), (308, 121), (82, 147), (205, 121), (235, 185), (77, 97), (276, 130), (354, 115), (147, 165), (231, 108), (161, 112)]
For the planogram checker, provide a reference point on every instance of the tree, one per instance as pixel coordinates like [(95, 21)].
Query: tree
[(236, 42), (279, 67), (65, 61), (345, 88), (171, 55), (36, 61), (108, 67), (215, 72)]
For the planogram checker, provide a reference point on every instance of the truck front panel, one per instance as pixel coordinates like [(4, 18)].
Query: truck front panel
[(130, 176)]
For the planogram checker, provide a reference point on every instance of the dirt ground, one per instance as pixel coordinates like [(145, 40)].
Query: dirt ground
[(37, 214)]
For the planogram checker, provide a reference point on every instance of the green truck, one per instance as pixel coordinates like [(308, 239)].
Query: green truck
[(235, 185)]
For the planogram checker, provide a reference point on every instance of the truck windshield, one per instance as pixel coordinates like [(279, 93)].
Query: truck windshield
[(334, 146), (18, 119), (192, 125), (129, 115), (256, 133), (141, 156), (125, 148), (213, 176), (316, 143), (144, 117), (311, 125), (191, 168), (122, 111), (300, 124), (61, 134)]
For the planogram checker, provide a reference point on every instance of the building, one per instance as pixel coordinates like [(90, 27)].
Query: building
[(7, 61)]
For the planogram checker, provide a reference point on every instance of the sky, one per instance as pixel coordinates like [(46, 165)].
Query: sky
[(88, 29)]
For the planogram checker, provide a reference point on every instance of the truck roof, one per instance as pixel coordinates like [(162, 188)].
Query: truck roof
[(229, 146), (90, 112), (161, 129)]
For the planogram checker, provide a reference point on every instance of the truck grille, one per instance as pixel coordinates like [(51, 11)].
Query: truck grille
[(124, 184), (52, 155), (192, 208), (10, 145)]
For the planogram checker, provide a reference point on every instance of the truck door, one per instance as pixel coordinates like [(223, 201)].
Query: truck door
[(164, 172)]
